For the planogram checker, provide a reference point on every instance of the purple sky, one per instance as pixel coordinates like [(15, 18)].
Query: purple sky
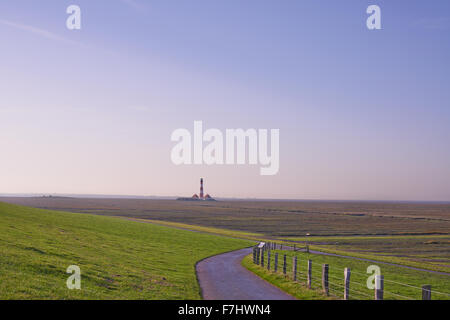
[(362, 114)]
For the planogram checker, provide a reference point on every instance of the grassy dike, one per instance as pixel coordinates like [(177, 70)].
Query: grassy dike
[(119, 259)]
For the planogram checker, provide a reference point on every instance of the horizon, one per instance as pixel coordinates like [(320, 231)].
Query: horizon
[(156, 197), (361, 114)]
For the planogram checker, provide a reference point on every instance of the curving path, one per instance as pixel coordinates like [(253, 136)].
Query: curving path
[(222, 277)]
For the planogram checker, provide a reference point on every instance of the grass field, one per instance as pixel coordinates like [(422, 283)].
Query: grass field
[(416, 234), (119, 259), (400, 283)]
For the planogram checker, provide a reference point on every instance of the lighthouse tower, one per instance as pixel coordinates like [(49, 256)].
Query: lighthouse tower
[(198, 197), (201, 188)]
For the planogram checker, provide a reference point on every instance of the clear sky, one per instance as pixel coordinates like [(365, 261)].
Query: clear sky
[(362, 114)]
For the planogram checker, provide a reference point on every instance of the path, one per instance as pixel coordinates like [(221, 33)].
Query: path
[(222, 277)]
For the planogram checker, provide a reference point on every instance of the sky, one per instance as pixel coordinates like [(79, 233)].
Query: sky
[(363, 114)]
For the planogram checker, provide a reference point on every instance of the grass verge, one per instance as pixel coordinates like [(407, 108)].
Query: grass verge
[(285, 283)]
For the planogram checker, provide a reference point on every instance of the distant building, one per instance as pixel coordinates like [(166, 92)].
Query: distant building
[(200, 197)]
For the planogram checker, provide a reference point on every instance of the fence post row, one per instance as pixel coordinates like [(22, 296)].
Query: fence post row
[(347, 283), (258, 258), (325, 279), (426, 292), (379, 287), (294, 268)]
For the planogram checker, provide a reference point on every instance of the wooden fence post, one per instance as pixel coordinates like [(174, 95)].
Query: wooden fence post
[(262, 258), (276, 262), (309, 278), (325, 279), (426, 292), (284, 264), (258, 253), (347, 274), (254, 255), (379, 287), (268, 260), (294, 267)]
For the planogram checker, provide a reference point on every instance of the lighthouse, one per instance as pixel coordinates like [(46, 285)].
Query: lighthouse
[(201, 188), (200, 196)]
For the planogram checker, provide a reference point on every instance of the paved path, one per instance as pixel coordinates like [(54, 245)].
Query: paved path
[(222, 277)]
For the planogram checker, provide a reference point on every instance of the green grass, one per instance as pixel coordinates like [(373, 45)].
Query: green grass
[(209, 230), (393, 276), (119, 259)]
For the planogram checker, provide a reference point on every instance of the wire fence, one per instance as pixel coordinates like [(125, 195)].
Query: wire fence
[(352, 285)]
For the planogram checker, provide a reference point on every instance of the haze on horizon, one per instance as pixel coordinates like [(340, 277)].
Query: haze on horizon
[(362, 114)]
